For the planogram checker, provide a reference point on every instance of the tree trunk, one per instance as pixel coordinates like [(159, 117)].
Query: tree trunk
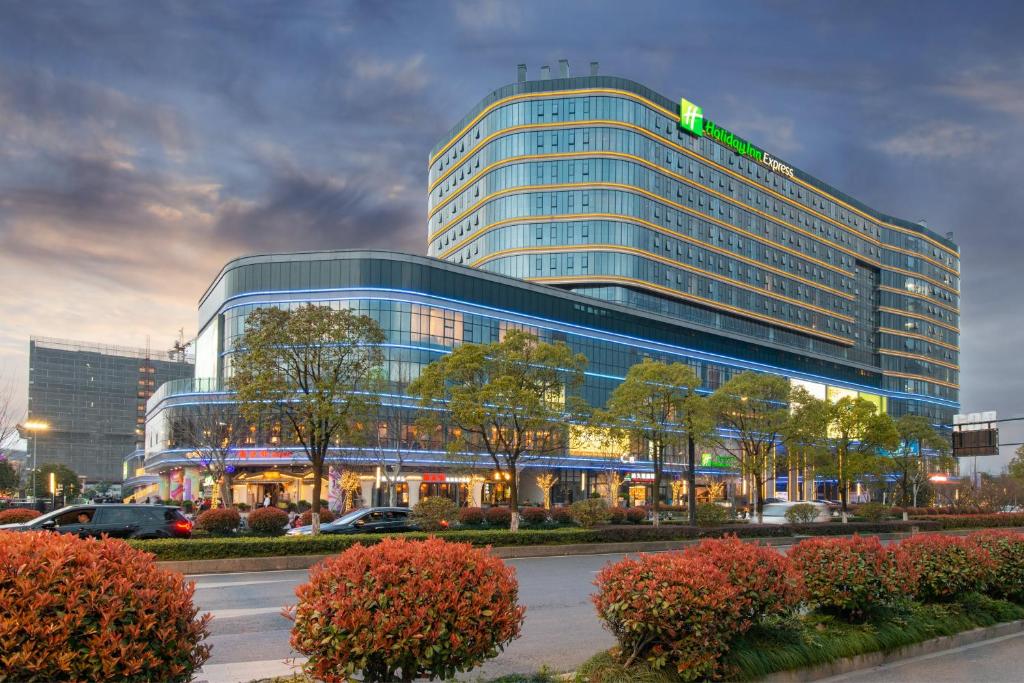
[(656, 502), (843, 488), (393, 491), (758, 502), (691, 479), (513, 500), (225, 489), (318, 471)]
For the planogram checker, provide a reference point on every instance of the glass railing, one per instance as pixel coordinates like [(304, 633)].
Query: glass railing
[(188, 385)]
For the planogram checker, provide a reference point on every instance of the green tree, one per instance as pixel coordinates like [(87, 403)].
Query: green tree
[(311, 367), (855, 433), (754, 410), (909, 461), (1015, 468), (65, 479), (657, 408), (510, 399), (9, 479), (805, 431)]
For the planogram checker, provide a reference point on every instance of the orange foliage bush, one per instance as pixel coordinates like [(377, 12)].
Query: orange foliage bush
[(219, 520), (325, 516), (76, 609), (268, 520), (423, 608), (17, 515), (769, 586), (670, 610)]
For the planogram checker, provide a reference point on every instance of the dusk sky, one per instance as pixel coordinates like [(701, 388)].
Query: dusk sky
[(143, 144)]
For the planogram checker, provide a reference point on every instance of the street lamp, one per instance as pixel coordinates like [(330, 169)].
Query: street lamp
[(34, 426)]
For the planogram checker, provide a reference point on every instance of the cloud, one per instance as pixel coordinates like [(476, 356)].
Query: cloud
[(482, 15), (937, 140)]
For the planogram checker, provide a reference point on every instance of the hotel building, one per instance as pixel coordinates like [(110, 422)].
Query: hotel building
[(594, 211)]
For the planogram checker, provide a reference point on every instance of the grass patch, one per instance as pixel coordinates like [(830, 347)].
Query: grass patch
[(814, 639)]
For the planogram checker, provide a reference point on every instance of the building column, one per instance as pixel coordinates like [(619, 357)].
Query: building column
[(367, 484), (477, 487), (413, 482)]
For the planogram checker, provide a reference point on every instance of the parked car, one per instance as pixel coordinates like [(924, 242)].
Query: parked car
[(365, 521), (116, 521), (775, 513)]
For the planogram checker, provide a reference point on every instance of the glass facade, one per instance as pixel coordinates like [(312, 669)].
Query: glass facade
[(589, 184)]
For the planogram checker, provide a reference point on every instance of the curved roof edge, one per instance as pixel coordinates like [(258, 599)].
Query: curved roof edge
[(619, 83)]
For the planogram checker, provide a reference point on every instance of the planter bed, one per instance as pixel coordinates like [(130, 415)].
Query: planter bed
[(210, 548), (815, 639)]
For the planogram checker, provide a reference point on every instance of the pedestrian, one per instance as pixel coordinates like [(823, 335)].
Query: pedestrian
[(266, 501)]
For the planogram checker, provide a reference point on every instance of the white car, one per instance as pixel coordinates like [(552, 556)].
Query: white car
[(775, 513)]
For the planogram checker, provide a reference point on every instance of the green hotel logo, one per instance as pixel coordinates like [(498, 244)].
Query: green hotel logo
[(691, 117)]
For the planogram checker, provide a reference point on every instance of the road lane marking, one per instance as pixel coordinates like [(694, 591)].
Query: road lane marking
[(243, 612), (229, 584)]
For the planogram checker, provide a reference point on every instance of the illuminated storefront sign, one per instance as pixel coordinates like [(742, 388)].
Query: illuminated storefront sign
[(691, 119), (596, 442), (434, 478), (715, 460)]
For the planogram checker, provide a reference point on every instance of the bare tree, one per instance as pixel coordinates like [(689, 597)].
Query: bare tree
[(395, 415), (213, 430), (8, 421)]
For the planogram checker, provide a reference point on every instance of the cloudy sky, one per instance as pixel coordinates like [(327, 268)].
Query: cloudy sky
[(142, 144)]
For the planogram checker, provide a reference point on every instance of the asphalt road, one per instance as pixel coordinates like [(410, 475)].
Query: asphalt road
[(991, 661), (250, 637)]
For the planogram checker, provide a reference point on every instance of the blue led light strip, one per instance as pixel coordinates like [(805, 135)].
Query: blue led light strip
[(643, 343)]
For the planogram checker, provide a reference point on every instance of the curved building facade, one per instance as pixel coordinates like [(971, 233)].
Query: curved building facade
[(595, 184), (427, 307)]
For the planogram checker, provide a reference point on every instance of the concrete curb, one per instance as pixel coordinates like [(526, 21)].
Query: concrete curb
[(263, 564), (873, 659)]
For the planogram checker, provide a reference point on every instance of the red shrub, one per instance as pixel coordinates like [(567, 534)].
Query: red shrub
[(498, 516), (948, 566), (617, 515), (636, 515), (852, 576), (268, 520), (306, 518), (94, 610), (17, 516), (534, 515), (219, 520), (767, 582), (562, 515), (425, 608), (669, 609), (471, 516), (1007, 551)]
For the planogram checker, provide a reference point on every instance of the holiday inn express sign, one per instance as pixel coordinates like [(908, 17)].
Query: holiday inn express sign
[(691, 119)]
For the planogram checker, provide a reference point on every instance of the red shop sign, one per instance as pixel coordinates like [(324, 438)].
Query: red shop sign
[(433, 477)]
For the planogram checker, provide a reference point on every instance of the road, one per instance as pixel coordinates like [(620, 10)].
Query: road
[(250, 637), (990, 661)]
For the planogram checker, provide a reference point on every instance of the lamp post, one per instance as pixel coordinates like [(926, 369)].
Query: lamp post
[(34, 426)]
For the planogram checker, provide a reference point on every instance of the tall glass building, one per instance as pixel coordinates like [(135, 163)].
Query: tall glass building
[(596, 185), (594, 211)]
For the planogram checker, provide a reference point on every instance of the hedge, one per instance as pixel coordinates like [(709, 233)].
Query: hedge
[(984, 521), (326, 544)]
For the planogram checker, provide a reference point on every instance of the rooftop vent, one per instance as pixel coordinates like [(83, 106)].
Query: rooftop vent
[(521, 78), (563, 68), (593, 68), (545, 72)]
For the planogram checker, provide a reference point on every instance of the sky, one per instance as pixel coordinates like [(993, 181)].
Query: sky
[(143, 144)]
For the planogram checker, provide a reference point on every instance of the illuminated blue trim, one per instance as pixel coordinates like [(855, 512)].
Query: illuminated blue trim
[(644, 343)]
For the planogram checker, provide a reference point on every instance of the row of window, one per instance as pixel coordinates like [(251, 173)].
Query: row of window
[(628, 111)]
